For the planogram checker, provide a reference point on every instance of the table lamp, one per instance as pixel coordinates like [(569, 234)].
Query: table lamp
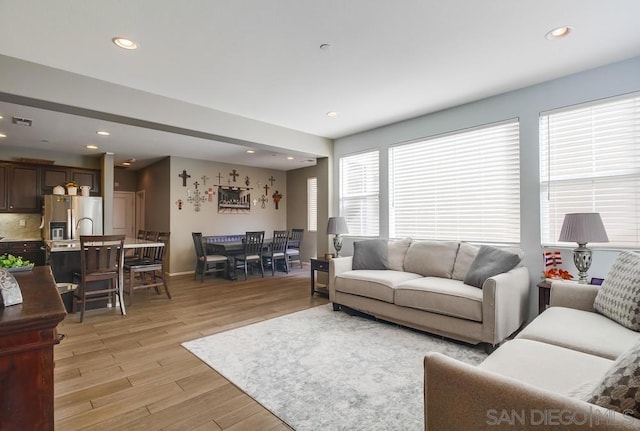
[(582, 228), (337, 226)]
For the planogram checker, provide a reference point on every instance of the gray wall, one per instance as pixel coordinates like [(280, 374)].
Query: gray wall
[(297, 208), (525, 104)]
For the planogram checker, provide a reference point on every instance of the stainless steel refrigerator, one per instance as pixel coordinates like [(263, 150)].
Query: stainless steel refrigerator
[(68, 217)]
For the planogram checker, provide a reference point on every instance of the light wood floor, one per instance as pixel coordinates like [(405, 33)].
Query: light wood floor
[(130, 373)]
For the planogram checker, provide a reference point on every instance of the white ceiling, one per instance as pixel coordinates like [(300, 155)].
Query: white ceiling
[(387, 61)]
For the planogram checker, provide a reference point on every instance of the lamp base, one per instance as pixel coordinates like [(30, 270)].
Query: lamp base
[(582, 261), (337, 244)]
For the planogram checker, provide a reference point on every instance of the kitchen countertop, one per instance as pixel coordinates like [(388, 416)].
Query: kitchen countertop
[(19, 239), (74, 244)]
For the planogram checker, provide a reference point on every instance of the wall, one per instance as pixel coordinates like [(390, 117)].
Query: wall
[(208, 220), (525, 104), (125, 180), (297, 209)]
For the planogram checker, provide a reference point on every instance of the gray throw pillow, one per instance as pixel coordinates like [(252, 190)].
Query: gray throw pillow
[(370, 254), (490, 261), (619, 296), (619, 389)]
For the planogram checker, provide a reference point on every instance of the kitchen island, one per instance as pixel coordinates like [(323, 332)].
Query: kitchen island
[(64, 258), (27, 336)]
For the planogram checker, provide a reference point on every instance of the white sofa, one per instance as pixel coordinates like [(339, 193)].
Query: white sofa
[(424, 289), (539, 380)]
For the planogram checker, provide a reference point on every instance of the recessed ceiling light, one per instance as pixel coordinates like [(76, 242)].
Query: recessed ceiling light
[(332, 114), (125, 43), (251, 151), (103, 133), (559, 32), (289, 158), (2, 135), (126, 163), (1, 117), (92, 147)]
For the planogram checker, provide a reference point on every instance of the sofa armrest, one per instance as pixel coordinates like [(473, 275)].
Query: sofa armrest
[(461, 397), (505, 304), (337, 266), (573, 295)]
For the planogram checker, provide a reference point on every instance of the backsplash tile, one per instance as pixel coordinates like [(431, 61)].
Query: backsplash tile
[(10, 226)]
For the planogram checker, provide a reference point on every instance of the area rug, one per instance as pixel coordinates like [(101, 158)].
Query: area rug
[(323, 370)]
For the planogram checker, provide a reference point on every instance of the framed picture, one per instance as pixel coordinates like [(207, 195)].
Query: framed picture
[(234, 200)]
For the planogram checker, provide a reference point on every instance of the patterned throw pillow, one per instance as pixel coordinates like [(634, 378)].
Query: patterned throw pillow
[(619, 389), (619, 296)]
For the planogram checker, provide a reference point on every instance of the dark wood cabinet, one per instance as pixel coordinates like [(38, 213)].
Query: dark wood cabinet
[(23, 185), (52, 176), (23, 189), (27, 336), (86, 177), (4, 203)]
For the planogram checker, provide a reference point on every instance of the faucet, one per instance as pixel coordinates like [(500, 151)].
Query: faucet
[(84, 218)]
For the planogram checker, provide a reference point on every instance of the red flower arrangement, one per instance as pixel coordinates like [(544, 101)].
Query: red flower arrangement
[(559, 274)]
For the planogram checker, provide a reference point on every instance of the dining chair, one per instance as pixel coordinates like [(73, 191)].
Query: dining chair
[(293, 247), (150, 270), (136, 253), (277, 250), (251, 253), (207, 263), (101, 265)]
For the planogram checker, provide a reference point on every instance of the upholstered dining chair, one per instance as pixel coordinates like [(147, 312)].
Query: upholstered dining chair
[(277, 250), (148, 271), (207, 263), (252, 252), (101, 264), (293, 246)]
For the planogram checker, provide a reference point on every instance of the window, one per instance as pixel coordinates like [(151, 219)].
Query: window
[(359, 193), (460, 186), (590, 162), (312, 204)]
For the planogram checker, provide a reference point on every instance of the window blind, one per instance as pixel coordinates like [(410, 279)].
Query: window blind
[(312, 204), (461, 186), (359, 193), (590, 162)]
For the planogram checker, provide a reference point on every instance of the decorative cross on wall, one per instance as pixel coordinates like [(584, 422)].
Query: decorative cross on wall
[(247, 181), (263, 201), (266, 189), (234, 174), (196, 199), (210, 194), (271, 179), (184, 175), (196, 184), (204, 180), (219, 178)]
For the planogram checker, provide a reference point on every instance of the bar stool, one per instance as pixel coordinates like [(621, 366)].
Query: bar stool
[(149, 271)]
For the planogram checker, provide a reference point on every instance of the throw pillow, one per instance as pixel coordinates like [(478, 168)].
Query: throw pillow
[(370, 254), (396, 251), (619, 389), (619, 296), (490, 261), (464, 259)]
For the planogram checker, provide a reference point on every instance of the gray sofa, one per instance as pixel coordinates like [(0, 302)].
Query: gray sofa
[(540, 380), (420, 284)]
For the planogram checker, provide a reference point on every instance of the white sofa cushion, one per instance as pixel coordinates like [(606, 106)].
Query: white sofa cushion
[(464, 258), (619, 296), (442, 296), (396, 251), (431, 258), (544, 365), (376, 284), (580, 330)]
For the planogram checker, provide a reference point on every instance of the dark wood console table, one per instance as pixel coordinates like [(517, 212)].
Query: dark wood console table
[(322, 266), (27, 336)]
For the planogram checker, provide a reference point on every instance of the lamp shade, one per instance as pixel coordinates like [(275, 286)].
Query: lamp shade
[(337, 226), (583, 228)]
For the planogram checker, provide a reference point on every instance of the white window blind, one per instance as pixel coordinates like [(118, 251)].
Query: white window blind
[(590, 162), (312, 204), (359, 193), (461, 186)]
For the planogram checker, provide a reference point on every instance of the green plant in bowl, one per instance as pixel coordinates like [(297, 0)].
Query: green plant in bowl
[(9, 261)]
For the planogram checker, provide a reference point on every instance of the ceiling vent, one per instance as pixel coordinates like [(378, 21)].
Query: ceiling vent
[(22, 121)]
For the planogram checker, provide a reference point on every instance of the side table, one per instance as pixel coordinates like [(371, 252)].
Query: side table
[(544, 295), (322, 266)]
